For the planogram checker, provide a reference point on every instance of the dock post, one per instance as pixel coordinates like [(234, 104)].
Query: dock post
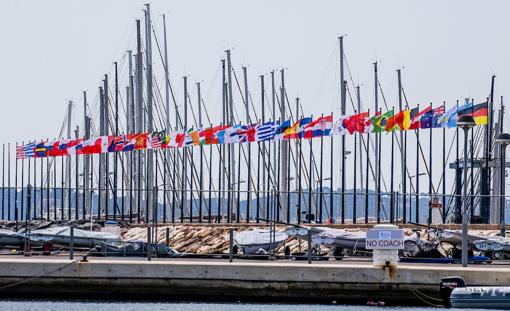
[(26, 248), (71, 244), (231, 245), (149, 246), (309, 240)]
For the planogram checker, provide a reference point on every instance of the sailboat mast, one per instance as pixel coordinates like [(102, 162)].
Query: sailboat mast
[(342, 112)]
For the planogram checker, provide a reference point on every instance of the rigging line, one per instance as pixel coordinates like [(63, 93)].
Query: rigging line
[(241, 93), (418, 140), (192, 111), (160, 107), (169, 80), (351, 78), (253, 107), (386, 106), (326, 71), (288, 106), (363, 140), (447, 159)]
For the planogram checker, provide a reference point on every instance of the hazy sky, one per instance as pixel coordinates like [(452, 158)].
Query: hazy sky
[(53, 50)]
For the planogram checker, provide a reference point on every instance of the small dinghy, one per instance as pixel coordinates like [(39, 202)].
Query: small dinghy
[(62, 235), (259, 241), (455, 293)]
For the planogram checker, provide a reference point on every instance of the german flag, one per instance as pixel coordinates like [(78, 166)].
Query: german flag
[(479, 112)]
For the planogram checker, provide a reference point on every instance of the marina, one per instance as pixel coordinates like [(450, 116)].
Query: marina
[(256, 176)]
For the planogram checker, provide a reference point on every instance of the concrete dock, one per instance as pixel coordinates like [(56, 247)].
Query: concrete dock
[(203, 279)]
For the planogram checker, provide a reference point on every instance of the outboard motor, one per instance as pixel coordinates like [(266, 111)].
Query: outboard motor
[(448, 284)]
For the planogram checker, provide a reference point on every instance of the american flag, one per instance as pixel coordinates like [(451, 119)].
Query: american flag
[(25, 151)]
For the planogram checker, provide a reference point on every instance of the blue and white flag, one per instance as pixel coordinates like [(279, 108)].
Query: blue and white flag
[(266, 131)]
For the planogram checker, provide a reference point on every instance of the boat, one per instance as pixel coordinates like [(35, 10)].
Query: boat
[(339, 238), (132, 249), (454, 236), (62, 235), (259, 241), (456, 294), (493, 243), (10, 238)]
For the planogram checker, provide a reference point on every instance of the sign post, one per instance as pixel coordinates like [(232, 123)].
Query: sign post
[(385, 241)]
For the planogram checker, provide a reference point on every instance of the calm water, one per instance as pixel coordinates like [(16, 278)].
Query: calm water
[(155, 306)]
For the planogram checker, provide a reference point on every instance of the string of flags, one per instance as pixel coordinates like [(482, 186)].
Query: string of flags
[(305, 128)]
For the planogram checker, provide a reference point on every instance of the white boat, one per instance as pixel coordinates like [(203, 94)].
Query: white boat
[(259, 240), (62, 235)]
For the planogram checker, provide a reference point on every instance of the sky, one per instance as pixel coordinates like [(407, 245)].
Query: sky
[(52, 51)]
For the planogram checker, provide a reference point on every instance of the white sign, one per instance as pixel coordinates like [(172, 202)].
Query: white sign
[(385, 239)]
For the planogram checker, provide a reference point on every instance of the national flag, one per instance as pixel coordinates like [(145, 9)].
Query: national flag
[(25, 151), (431, 118), (188, 139), (51, 148), (176, 139), (155, 140), (479, 112), (380, 121), (208, 135), (231, 136), (66, 145), (117, 143), (317, 128), (416, 116), (165, 141), (280, 129), (195, 137), (358, 123), (296, 130), (130, 143), (449, 119), (338, 127), (247, 132), (40, 150), (228, 135), (89, 146), (266, 131), (400, 121)]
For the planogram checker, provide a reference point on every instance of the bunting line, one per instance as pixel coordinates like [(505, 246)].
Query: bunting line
[(305, 128)]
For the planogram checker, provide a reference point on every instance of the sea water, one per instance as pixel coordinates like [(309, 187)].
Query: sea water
[(46, 305)]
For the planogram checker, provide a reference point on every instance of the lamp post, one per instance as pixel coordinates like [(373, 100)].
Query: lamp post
[(503, 140), (465, 123)]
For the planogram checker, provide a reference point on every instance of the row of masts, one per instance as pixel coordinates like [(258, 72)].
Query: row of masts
[(232, 182)]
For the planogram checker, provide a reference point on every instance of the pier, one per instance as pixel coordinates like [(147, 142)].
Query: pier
[(241, 280)]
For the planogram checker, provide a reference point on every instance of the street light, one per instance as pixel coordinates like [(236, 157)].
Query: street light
[(503, 140), (466, 123)]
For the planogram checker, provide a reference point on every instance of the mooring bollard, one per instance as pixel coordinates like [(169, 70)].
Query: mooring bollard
[(149, 248), (71, 244), (231, 245), (309, 240), (167, 240)]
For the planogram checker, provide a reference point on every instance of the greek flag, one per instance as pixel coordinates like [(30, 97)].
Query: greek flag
[(266, 131)]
